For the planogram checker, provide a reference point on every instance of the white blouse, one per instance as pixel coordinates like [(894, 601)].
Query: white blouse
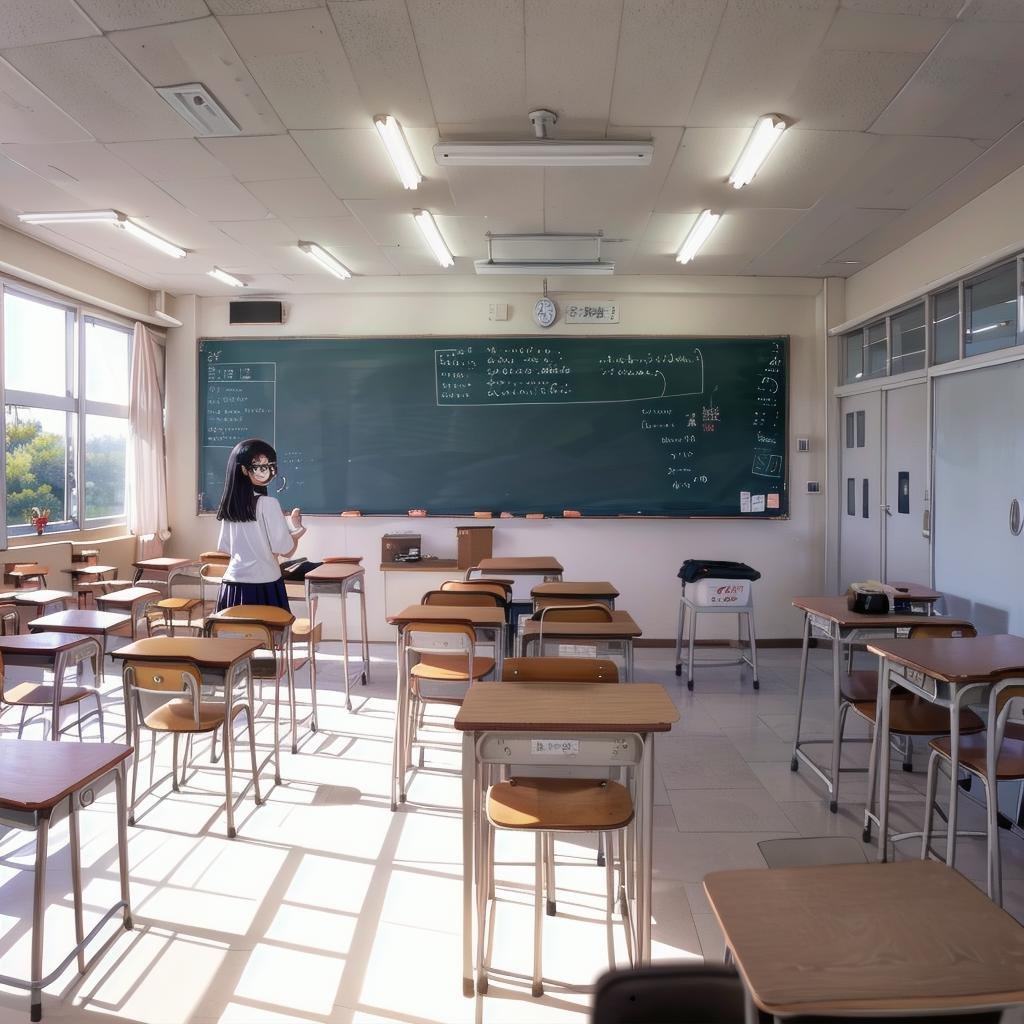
[(253, 545)]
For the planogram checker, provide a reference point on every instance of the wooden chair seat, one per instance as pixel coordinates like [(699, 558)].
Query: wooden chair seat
[(912, 716), (177, 716), (450, 668), (972, 752), (301, 629), (178, 604), (36, 695), (559, 805), (860, 685)]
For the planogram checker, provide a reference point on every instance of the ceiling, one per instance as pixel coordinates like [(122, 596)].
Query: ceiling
[(902, 111)]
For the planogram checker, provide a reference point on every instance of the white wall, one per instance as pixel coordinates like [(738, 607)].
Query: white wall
[(640, 556)]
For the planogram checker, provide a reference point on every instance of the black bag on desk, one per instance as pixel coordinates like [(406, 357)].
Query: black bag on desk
[(694, 569), (295, 569)]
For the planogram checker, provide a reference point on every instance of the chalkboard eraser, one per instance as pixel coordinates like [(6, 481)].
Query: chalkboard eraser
[(351, 512), (483, 515), (417, 512), (571, 513), (534, 515), (507, 515)]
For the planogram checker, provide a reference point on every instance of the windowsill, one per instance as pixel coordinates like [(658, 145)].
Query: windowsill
[(69, 535)]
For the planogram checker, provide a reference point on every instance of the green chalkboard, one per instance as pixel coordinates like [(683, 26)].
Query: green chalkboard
[(606, 426)]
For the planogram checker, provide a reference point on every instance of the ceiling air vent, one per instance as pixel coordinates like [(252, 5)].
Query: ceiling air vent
[(198, 106)]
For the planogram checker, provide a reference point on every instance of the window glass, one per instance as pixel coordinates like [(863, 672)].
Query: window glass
[(908, 339), (946, 326), (35, 345), (39, 446), (990, 304), (106, 441), (107, 362), (875, 350), (853, 357)]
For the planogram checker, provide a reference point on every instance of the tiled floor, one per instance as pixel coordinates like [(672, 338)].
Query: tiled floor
[(329, 908)]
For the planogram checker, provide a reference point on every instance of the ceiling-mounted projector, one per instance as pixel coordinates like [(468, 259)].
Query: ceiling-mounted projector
[(544, 152)]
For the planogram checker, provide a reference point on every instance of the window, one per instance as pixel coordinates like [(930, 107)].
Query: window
[(66, 413), (990, 307), (853, 357), (946, 326), (875, 350), (907, 329)]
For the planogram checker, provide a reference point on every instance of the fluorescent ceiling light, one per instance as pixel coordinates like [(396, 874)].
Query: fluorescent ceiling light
[(767, 131), (544, 153), (147, 236), (225, 278), (326, 260), (398, 149), (699, 234), (437, 245), (544, 267), (990, 327), (71, 217)]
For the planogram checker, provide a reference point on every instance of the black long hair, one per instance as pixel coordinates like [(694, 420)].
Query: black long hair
[(238, 502)]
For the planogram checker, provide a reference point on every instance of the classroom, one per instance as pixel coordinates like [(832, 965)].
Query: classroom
[(674, 344)]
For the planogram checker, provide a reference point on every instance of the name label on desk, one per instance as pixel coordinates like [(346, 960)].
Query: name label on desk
[(820, 623), (563, 748), (914, 675)]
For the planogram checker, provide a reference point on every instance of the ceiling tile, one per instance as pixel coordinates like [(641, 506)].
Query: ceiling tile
[(366, 260), (346, 231), (111, 15), (25, 192), (298, 62), (465, 236), (916, 8), (65, 163), (302, 197), (760, 53), (93, 83), (226, 7), (883, 33), (199, 51), (265, 158), (352, 161), (468, 82), (174, 158), (27, 22), (420, 261), (378, 39), (258, 233), (570, 60), (26, 115), (993, 10), (663, 47), (220, 198), (385, 225), (509, 192)]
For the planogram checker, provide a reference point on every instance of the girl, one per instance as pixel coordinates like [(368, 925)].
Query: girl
[(253, 529)]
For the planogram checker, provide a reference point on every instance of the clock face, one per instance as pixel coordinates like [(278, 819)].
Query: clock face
[(545, 312)]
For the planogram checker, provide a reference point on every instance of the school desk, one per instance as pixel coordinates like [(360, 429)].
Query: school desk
[(573, 592), (908, 939), (831, 619), (41, 783), (85, 622), (565, 711), (952, 672), (620, 632), (342, 579), (164, 570)]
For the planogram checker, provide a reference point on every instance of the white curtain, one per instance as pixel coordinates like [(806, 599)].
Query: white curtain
[(147, 467)]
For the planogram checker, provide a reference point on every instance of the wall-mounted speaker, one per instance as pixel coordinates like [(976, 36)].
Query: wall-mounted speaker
[(256, 311)]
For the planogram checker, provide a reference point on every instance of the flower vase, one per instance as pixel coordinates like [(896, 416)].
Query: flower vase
[(40, 525)]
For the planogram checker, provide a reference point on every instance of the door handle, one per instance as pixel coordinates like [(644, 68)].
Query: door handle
[(887, 509)]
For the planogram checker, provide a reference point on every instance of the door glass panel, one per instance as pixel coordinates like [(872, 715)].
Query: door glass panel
[(990, 303), (864, 505), (946, 326), (861, 428), (849, 430), (908, 340)]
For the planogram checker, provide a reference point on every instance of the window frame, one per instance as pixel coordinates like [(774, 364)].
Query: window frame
[(73, 403)]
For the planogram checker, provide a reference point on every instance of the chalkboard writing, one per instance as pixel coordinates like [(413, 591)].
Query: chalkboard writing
[(625, 426)]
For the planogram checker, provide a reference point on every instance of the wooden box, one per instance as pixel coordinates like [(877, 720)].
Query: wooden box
[(475, 542), (400, 547)]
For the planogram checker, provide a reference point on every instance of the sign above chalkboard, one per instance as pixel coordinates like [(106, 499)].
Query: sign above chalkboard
[(608, 426)]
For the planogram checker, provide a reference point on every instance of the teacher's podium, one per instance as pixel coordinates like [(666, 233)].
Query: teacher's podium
[(715, 588)]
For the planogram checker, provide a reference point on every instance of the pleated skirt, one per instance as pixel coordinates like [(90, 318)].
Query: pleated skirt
[(232, 594)]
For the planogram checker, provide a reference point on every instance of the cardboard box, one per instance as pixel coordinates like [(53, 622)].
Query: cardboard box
[(398, 547), (474, 543)]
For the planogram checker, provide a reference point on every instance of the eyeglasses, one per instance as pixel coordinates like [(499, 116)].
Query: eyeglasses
[(263, 468)]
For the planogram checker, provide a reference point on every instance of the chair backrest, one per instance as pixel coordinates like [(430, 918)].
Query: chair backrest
[(471, 598), (591, 612), (503, 588), (451, 636), (241, 628), (559, 670), (553, 601), (940, 629), (343, 559), (152, 682), (684, 993)]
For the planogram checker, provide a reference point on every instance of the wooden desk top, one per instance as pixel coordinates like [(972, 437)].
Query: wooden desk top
[(35, 598), (80, 621), (128, 596), (527, 565), (35, 774), (914, 592), (581, 589), (834, 609), (581, 707), (44, 642), (479, 615), (89, 570), (205, 651), (164, 563), (911, 935), (334, 572), (958, 660), (622, 626), (264, 614)]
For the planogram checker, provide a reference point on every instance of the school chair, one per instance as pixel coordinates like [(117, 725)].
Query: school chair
[(684, 993), (589, 612), (502, 589), (212, 566), (991, 756), (166, 697)]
